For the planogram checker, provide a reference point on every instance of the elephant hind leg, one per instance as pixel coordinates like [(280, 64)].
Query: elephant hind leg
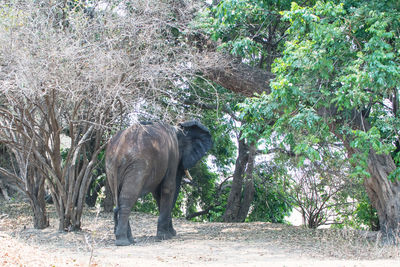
[(129, 234), (130, 189), (121, 241), (123, 233)]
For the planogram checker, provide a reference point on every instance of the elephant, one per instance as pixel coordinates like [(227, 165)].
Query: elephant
[(151, 157)]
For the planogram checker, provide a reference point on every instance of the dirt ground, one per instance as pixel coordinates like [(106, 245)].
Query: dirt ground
[(196, 244)]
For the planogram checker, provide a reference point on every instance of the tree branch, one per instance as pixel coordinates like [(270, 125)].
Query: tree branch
[(234, 75)]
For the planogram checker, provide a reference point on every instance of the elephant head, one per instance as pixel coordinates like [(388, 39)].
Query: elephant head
[(152, 157), (194, 141)]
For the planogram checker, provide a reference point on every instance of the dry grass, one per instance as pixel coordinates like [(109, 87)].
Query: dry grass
[(214, 243)]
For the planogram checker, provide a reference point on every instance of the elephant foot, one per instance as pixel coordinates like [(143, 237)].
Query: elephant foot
[(123, 242), (131, 240), (164, 235), (172, 231)]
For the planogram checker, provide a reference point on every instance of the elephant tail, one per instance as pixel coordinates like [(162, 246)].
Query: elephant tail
[(113, 183), (116, 209), (112, 174)]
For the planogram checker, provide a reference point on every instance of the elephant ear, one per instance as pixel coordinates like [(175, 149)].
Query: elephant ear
[(194, 142)]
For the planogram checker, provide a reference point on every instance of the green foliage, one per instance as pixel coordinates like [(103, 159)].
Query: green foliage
[(202, 192), (339, 59), (146, 204), (248, 29), (361, 215), (223, 149), (365, 215), (252, 30), (272, 202)]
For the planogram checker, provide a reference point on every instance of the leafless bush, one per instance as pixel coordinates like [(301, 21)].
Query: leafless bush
[(64, 72), (318, 187)]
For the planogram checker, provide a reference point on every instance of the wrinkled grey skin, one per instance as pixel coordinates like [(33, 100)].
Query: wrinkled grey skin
[(151, 158)]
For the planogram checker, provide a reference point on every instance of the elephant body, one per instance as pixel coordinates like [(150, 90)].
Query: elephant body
[(151, 158)]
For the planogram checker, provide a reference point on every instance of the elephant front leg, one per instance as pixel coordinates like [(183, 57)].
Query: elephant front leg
[(163, 229), (164, 225), (170, 228)]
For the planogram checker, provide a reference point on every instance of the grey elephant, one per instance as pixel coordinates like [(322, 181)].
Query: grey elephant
[(151, 158)]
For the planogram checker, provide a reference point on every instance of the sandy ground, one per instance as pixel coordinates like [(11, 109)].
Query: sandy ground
[(197, 244)]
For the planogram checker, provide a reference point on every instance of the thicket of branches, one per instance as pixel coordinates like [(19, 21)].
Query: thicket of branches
[(321, 188)]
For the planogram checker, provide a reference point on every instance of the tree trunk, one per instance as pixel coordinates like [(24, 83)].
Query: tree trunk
[(248, 192), (36, 194), (40, 220), (239, 200), (3, 191), (234, 199), (69, 185), (383, 193), (30, 181), (68, 220)]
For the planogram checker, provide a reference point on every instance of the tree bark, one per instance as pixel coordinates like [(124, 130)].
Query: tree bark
[(242, 189), (3, 190), (36, 194), (30, 180), (248, 192), (383, 193), (40, 220)]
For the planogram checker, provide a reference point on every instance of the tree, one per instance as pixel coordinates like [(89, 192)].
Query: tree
[(338, 78), (356, 73), (242, 186), (49, 93)]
